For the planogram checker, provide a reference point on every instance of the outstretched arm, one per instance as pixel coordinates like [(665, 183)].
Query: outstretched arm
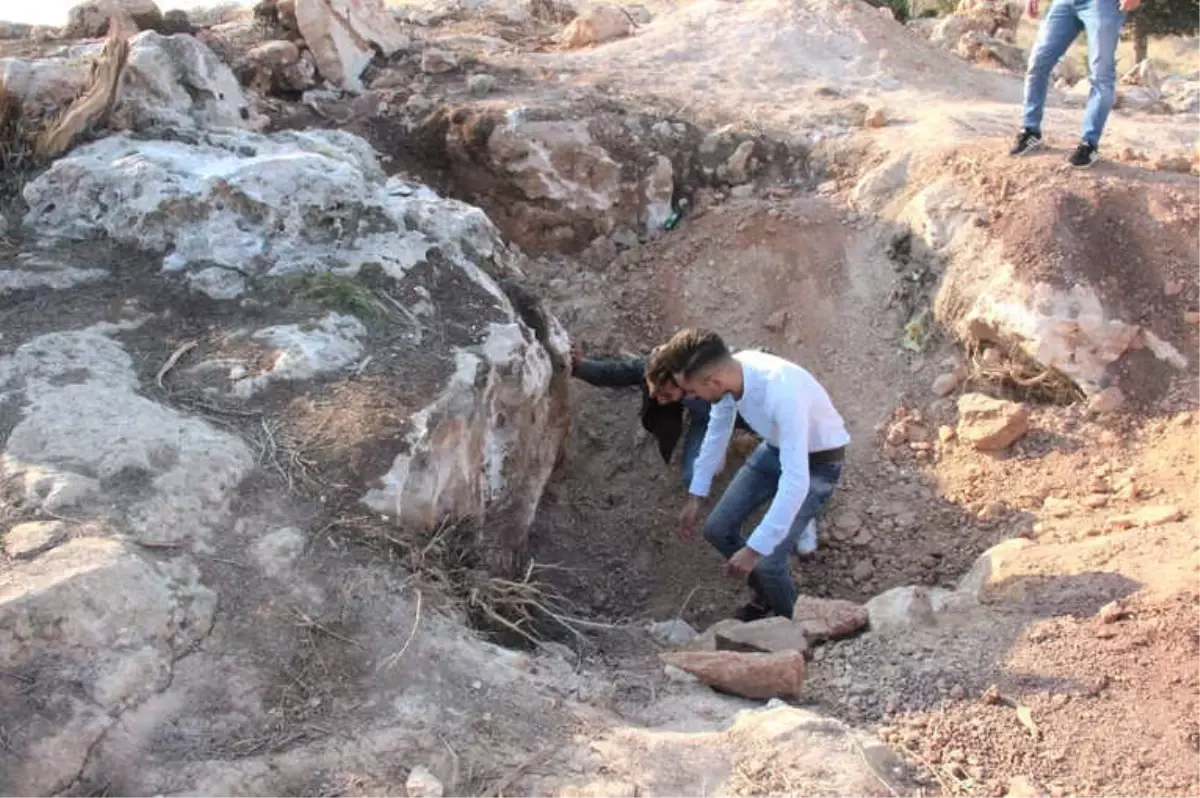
[(611, 373)]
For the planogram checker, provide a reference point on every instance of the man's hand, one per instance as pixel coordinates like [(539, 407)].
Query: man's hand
[(576, 355), (689, 516), (742, 563), (1129, 5), (1031, 8)]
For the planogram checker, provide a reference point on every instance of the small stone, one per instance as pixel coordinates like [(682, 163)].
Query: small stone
[(876, 117), (1058, 508), (1024, 787), (828, 187), (777, 321), (437, 62), (992, 511), (946, 433), (423, 784), (1191, 316), (678, 675), (990, 424), (1108, 400), (481, 84), (958, 692), (672, 632), (863, 571), (1111, 612), (945, 384)]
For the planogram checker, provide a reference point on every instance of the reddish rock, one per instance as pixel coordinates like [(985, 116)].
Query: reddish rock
[(825, 619), (990, 424), (750, 675)]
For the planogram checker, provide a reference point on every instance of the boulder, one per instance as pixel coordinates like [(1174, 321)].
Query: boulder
[(177, 81), (990, 424), (234, 205), (597, 24), (278, 67), (90, 20), (878, 186), (750, 675), (343, 36)]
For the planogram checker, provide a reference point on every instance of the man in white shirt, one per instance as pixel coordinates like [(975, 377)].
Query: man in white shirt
[(796, 467)]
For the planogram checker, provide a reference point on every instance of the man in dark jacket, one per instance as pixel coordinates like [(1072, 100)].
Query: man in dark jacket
[(663, 406)]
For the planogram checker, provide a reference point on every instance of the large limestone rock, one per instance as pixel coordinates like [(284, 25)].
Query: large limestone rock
[(568, 175), (343, 36), (234, 208), (168, 81)]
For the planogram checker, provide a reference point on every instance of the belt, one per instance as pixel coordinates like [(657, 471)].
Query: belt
[(828, 456)]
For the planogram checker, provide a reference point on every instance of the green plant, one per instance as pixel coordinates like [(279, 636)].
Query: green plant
[(344, 294)]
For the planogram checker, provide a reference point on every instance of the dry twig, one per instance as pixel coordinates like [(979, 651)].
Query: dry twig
[(391, 661), (172, 360)]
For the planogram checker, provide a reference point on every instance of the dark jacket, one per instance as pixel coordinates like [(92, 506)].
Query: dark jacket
[(664, 422)]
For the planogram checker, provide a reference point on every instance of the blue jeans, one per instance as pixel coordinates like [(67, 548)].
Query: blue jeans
[(697, 410), (1101, 20), (752, 486)]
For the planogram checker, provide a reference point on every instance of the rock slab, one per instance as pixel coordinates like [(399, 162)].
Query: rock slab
[(750, 675)]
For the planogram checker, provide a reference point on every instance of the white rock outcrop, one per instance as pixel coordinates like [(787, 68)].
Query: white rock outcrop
[(344, 34)]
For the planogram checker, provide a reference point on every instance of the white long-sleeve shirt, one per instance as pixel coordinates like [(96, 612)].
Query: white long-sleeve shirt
[(788, 409)]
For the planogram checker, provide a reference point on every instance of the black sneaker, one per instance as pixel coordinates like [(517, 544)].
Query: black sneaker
[(752, 612), (1084, 156), (1027, 141)]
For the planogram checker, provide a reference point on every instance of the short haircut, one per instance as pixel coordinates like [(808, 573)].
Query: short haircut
[(692, 351)]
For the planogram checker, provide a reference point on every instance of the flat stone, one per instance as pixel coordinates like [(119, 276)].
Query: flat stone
[(767, 635)]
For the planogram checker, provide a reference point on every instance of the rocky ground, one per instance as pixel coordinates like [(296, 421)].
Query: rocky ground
[(278, 404)]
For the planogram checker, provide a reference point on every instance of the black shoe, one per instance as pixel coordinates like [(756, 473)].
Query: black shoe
[(752, 612), (1027, 141), (1084, 156)]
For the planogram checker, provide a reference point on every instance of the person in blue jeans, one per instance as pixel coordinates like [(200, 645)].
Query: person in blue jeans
[(1100, 21), (796, 467)]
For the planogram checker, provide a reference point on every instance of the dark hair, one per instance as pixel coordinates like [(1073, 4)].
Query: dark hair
[(691, 351)]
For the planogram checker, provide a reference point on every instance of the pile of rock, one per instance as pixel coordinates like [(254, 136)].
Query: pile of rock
[(980, 31)]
